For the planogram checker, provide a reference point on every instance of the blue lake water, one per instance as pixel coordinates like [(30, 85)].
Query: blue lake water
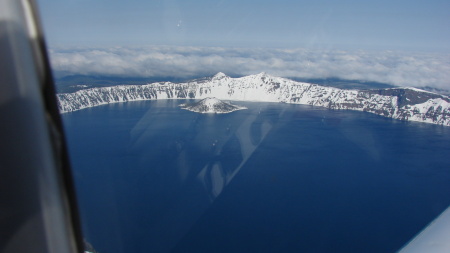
[(151, 177)]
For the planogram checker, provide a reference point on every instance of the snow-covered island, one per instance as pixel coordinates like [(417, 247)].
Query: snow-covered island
[(211, 105), (409, 104)]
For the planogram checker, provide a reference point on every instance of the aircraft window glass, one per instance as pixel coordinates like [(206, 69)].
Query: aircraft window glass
[(231, 126)]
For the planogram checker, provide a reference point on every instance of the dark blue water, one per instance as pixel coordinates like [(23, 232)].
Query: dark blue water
[(273, 178)]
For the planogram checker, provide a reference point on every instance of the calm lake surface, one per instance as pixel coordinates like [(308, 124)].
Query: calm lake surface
[(151, 177)]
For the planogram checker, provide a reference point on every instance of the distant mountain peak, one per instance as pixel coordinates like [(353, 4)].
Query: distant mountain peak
[(263, 76), (219, 76), (211, 105)]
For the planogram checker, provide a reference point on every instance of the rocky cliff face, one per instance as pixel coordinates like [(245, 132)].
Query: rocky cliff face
[(211, 105), (398, 103)]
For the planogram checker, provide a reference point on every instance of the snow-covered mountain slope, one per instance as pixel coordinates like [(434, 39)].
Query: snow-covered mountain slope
[(211, 105), (398, 103)]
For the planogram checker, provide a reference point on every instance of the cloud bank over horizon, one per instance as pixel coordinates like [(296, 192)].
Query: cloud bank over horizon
[(395, 68)]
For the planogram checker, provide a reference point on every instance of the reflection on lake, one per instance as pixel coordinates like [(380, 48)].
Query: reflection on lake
[(274, 178)]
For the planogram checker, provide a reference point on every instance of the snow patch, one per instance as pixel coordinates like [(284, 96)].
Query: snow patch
[(211, 105)]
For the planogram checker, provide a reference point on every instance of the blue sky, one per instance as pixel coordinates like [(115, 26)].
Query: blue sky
[(399, 42), (392, 24)]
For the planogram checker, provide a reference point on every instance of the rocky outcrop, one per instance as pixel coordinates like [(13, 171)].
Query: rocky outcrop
[(211, 105)]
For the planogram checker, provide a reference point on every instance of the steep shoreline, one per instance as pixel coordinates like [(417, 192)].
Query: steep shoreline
[(407, 104)]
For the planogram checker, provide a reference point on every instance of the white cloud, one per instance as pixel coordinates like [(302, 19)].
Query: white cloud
[(397, 68)]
